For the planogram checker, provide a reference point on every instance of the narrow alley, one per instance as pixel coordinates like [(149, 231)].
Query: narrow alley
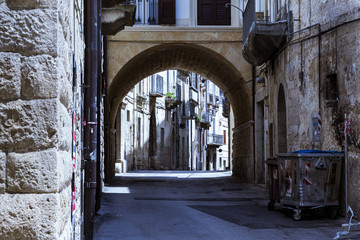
[(198, 205)]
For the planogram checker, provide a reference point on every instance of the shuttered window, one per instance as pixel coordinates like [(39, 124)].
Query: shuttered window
[(166, 11), (213, 12)]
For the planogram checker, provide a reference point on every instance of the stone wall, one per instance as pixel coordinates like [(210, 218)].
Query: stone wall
[(319, 71), (36, 104), (243, 153)]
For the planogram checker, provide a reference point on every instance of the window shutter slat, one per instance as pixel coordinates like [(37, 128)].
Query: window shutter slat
[(213, 12), (167, 12)]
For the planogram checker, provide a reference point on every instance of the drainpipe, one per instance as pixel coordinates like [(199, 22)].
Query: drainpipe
[(109, 170), (92, 10), (253, 112), (99, 97)]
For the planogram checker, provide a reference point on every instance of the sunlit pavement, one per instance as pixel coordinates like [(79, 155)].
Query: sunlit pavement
[(199, 205)]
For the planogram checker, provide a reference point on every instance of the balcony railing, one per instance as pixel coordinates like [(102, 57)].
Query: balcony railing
[(147, 11), (215, 139), (193, 96), (188, 110)]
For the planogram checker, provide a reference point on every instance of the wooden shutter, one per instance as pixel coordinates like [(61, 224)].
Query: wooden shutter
[(205, 12), (213, 12), (166, 11), (222, 13)]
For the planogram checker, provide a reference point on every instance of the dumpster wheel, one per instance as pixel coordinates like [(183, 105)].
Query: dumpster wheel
[(297, 215)]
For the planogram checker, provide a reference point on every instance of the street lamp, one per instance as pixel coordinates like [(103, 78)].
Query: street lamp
[(232, 5)]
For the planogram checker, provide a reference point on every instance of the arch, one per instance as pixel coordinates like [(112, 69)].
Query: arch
[(282, 121), (190, 57), (208, 63)]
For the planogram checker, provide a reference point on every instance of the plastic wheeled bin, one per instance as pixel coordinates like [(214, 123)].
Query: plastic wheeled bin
[(309, 179)]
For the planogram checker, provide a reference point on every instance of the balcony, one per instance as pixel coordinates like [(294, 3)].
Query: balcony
[(193, 96), (215, 140), (261, 38), (204, 120), (172, 101), (140, 100), (155, 11), (116, 14)]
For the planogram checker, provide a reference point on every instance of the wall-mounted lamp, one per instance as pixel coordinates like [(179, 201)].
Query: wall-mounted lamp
[(229, 4)]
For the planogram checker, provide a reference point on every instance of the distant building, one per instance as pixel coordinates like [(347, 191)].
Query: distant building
[(172, 120)]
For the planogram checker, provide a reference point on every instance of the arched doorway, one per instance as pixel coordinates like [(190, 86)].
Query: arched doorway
[(282, 121)]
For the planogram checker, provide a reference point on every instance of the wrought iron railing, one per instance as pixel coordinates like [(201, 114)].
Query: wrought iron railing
[(147, 11), (215, 139), (193, 96)]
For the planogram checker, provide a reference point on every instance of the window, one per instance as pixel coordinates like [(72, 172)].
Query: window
[(194, 81), (224, 136), (213, 12), (128, 115), (166, 11), (159, 83), (331, 89)]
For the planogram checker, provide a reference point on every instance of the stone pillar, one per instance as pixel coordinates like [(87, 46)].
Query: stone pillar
[(36, 65), (243, 154)]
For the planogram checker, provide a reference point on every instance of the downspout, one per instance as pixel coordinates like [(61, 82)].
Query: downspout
[(229, 139), (92, 9), (99, 97), (319, 90), (253, 113), (109, 170)]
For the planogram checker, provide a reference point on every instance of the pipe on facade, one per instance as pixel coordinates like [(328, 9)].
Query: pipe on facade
[(319, 76), (253, 113), (99, 97), (109, 168), (92, 10)]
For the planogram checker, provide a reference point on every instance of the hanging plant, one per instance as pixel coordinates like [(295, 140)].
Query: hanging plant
[(170, 95)]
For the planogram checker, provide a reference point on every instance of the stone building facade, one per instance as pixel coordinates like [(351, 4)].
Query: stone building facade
[(313, 73), (172, 120), (42, 54), (315, 69)]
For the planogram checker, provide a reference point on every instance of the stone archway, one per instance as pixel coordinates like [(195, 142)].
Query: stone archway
[(202, 59)]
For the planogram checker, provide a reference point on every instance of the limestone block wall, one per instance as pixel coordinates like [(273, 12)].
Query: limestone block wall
[(37, 43), (319, 71), (242, 150)]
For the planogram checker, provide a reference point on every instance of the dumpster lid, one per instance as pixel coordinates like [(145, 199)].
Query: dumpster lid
[(316, 151), (311, 153)]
